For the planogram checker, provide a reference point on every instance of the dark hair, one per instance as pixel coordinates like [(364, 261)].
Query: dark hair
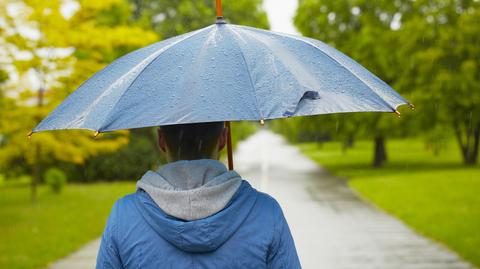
[(192, 141)]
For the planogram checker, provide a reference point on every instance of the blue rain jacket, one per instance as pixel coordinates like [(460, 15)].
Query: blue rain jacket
[(250, 232)]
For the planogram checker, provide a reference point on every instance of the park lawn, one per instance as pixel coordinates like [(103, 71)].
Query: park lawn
[(436, 195), (33, 235)]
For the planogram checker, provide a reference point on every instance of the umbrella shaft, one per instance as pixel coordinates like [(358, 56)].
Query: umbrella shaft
[(219, 9), (229, 146)]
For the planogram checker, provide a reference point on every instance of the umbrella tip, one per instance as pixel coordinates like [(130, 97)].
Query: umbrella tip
[(397, 113), (262, 122), (96, 134), (412, 106), (29, 135)]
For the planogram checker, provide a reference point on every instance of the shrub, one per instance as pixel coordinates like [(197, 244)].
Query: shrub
[(56, 179)]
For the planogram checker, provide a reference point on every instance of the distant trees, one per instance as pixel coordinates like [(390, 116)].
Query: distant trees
[(442, 41), (173, 17), (427, 50), (363, 30), (48, 50)]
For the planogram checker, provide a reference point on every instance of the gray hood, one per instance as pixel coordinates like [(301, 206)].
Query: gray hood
[(191, 190)]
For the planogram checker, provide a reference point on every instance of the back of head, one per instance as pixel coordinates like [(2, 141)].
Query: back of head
[(192, 141)]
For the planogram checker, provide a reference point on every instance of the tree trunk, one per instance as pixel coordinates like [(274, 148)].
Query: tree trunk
[(380, 152), (469, 149), (472, 157), (137, 12), (350, 141), (347, 144)]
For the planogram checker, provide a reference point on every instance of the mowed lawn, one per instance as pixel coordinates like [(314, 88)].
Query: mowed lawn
[(33, 235), (436, 195)]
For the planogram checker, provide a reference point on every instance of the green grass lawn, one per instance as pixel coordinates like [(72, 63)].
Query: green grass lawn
[(436, 195), (32, 235)]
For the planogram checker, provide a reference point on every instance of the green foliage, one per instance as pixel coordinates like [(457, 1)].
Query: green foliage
[(171, 18), (241, 130), (55, 179), (417, 186), (34, 235), (443, 67), (21, 181), (342, 127), (129, 162), (428, 50), (98, 32), (3, 77)]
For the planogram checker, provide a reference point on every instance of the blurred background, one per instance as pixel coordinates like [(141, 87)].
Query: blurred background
[(57, 188)]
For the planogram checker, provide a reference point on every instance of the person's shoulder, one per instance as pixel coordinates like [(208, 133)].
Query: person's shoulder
[(126, 200), (265, 200), (124, 204)]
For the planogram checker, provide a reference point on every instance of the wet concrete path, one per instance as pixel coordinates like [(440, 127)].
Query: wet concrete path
[(332, 227)]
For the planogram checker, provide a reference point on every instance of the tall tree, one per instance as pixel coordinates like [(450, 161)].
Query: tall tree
[(61, 44), (442, 41)]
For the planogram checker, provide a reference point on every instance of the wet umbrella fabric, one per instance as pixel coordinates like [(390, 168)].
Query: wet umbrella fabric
[(222, 72)]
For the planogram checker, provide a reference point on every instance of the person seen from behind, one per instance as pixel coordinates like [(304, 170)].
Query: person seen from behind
[(195, 213)]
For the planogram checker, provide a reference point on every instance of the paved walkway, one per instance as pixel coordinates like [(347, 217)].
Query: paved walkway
[(332, 227)]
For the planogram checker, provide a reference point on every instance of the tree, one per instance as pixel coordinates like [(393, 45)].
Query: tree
[(435, 58), (442, 41), (363, 30), (63, 49), (173, 17)]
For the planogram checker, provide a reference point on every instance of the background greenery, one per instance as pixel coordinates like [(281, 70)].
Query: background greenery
[(422, 167), (427, 50), (33, 235)]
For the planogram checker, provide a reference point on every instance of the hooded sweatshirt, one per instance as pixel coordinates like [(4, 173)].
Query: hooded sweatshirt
[(196, 214)]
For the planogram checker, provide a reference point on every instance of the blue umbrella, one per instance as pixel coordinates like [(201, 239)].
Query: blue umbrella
[(223, 72)]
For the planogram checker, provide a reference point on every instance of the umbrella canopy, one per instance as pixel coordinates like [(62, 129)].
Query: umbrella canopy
[(223, 72)]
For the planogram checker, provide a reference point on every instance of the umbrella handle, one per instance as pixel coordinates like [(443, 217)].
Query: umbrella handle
[(219, 9), (229, 145)]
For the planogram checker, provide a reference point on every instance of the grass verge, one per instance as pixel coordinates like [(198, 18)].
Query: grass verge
[(33, 235)]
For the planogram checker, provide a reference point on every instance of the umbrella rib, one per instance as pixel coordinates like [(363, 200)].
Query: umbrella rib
[(249, 75), (162, 50), (342, 65)]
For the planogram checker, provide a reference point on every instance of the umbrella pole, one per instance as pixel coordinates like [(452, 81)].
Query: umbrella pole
[(219, 9), (229, 146)]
